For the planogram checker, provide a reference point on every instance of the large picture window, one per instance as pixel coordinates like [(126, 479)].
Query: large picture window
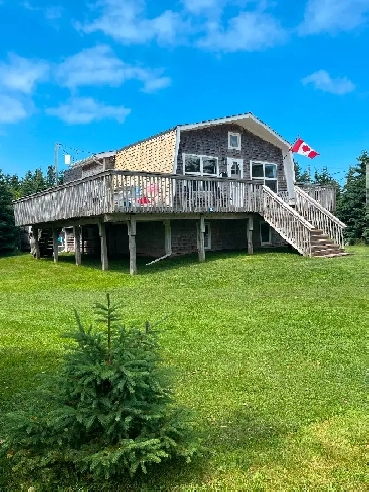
[(266, 171), (200, 165)]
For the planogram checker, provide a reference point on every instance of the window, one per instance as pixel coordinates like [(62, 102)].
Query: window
[(267, 172), (265, 234), (234, 141), (201, 165)]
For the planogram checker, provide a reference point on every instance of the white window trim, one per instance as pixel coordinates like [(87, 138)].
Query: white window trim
[(264, 178), (201, 173), (234, 134), (268, 243)]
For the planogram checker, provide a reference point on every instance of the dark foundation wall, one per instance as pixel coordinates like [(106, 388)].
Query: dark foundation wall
[(277, 241), (224, 235), (150, 239), (184, 236), (228, 234)]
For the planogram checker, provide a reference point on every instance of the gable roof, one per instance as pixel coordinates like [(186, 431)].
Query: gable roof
[(248, 121)]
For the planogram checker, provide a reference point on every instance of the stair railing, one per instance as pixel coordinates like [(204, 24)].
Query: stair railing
[(319, 216), (287, 222)]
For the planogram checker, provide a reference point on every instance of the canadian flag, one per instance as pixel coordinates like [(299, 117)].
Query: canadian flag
[(301, 147)]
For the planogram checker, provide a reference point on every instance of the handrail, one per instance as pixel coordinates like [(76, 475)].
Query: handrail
[(319, 206), (323, 194), (319, 216), (114, 172), (116, 191), (287, 222)]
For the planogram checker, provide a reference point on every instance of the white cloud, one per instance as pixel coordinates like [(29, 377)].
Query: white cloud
[(11, 109), (50, 13), (21, 74), (125, 21), (82, 111), (249, 31), (334, 15), (197, 6), (100, 66), (153, 84), (323, 81)]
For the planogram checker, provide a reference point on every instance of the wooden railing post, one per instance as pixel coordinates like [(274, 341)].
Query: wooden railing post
[(132, 246), (55, 244), (36, 243), (104, 248), (77, 244), (250, 232), (201, 242)]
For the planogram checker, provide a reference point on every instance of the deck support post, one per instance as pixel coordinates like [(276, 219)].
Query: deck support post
[(201, 241), (77, 244), (55, 244), (36, 244), (104, 248), (168, 237), (132, 246), (250, 231)]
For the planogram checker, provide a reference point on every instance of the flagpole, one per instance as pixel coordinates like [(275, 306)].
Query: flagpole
[(289, 150)]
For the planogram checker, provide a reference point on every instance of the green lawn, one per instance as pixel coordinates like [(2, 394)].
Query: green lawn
[(269, 351)]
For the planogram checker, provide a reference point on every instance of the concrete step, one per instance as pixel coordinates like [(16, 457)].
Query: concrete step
[(330, 255)]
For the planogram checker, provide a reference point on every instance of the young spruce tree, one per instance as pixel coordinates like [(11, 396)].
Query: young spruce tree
[(112, 410)]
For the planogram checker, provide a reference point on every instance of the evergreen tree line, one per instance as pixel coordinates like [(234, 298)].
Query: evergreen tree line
[(13, 187), (351, 198)]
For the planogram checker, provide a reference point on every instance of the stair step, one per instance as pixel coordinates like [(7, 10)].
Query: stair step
[(331, 255)]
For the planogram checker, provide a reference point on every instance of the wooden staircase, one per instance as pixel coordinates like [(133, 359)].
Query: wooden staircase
[(322, 245), (307, 226)]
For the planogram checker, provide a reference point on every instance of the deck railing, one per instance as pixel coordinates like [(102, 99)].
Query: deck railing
[(138, 192), (323, 194), (287, 222), (319, 217)]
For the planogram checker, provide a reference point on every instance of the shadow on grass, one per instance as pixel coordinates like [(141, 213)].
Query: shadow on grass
[(175, 262)]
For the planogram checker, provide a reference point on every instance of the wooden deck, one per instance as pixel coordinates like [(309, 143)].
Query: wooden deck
[(133, 192)]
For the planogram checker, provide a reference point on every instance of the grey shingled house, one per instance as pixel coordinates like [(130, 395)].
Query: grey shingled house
[(223, 184)]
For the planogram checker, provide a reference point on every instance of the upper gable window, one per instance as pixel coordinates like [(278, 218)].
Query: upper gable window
[(234, 141)]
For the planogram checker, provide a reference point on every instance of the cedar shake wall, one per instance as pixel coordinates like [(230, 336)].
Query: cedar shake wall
[(213, 142), (227, 234), (74, 173), (152, 155), (184, 236), (277, 240)]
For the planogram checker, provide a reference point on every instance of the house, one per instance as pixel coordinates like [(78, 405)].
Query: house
[(220, 184)]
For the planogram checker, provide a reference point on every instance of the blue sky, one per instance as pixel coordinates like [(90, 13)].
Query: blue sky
[(96, 76)]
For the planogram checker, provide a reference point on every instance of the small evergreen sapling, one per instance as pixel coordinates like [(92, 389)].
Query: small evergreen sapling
[(113, 411)]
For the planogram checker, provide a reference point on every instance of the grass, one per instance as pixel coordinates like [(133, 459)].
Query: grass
[(269, 351)]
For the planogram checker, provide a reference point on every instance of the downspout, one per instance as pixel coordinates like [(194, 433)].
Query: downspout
[(290, 175)]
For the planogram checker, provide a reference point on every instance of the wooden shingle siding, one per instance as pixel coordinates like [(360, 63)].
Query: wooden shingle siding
[(153, 155), (213, 141)]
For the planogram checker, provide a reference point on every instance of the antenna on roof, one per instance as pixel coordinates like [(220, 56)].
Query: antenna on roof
[(56, 159)]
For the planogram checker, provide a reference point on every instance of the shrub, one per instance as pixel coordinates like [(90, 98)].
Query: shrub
[(112, 410)]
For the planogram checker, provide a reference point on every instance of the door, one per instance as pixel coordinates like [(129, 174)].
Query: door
[(235, 171)]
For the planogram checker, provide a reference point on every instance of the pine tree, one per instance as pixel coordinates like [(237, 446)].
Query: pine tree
[(301, 177), (351, 207), (112, 411), (9, 234)]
